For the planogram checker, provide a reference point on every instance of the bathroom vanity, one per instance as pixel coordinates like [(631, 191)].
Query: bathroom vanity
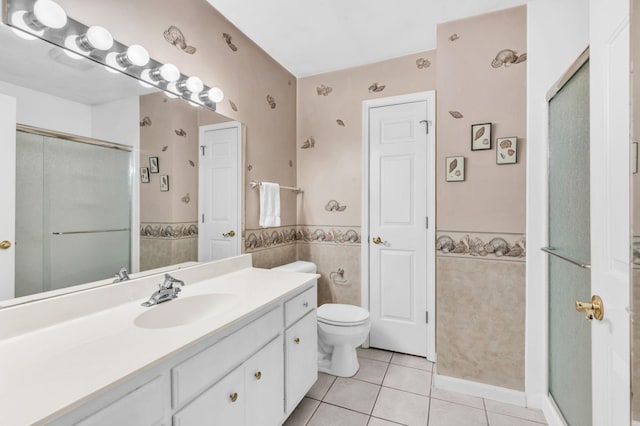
[(237, 347)]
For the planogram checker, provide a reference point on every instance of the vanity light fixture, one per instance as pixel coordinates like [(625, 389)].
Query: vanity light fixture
[(135, 55), (96, 38), (166, 72), (171, 91), (213, 95)]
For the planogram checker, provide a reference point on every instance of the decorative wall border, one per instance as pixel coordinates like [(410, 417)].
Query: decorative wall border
[(503, 246), (168, 231), (258, 239)]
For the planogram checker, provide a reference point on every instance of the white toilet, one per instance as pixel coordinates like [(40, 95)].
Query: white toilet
[(341, 329)]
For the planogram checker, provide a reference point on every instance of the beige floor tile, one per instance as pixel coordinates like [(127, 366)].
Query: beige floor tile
[(514, 411), (375, 354), (302, 413), (458, 398), (402, 407), (330, 415), (444, 413), (371, 371), (321, 386), (408, 379), (353, 394), (412, 361), (496, 419), (374, 421)]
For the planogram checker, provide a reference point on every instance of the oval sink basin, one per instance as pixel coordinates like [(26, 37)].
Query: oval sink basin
[(184, 311)]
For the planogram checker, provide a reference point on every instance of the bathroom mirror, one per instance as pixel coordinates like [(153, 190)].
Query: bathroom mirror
[(635, 215), (80, 105)]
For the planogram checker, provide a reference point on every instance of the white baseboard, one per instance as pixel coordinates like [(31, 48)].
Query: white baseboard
[(480, 390), (635, 423), (552, 413)]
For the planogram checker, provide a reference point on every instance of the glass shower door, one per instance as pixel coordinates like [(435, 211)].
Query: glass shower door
[(569, 276)]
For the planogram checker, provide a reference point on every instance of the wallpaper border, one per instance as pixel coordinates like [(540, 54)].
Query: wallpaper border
[(481, 245), (168, 230), (259, 239)]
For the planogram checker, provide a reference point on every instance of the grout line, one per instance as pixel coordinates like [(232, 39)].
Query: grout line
[(324, 395), (346, 408), (486, 415), (312, 414)]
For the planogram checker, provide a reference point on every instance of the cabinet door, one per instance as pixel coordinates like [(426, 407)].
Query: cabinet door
[(301, 362), (222, 404), (264, 385)]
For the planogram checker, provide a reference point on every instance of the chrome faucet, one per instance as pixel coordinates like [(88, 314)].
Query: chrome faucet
[(123, 275), (166, 291)]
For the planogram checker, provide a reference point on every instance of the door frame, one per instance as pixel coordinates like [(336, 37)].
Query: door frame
[(240, 141), (430, 98)]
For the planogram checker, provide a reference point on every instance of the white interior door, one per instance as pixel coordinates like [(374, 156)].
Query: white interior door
[(7, 195), (399, 170), (219, 191), (610, 240)]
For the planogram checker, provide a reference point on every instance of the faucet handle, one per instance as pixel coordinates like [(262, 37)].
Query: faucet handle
[(169, 281)]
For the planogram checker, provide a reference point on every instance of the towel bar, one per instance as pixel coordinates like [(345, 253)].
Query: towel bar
[(255, 185)]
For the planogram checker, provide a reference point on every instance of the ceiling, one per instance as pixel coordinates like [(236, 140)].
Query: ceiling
[(312, 37)]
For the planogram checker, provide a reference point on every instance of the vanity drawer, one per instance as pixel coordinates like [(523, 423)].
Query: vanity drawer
[(205, 368), (144, 406), (300, 305)]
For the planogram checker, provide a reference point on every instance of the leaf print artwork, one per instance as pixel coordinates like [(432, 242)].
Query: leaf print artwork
[(479, 133), (233, 105), (453, 165), (456, 114), (480, 136), (340, 123), (507, 150), (454, 169)]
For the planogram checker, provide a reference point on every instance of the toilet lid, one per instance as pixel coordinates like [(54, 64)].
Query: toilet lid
[(336, 313)]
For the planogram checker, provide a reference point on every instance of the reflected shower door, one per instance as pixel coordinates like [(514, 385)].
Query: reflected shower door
[(569, 237)]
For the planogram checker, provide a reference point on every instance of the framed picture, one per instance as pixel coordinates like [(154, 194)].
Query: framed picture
[(480, 137), (507, 150), (454, 169), (144, 174), (164, 183), (153, 165)]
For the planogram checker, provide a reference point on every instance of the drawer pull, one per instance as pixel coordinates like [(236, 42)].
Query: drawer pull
[(258, 375), (233, 397), (305, 304), (297, 340)]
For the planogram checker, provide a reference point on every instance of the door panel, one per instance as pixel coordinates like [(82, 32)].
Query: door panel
[(219, 189), (397, 214), (7, 193)]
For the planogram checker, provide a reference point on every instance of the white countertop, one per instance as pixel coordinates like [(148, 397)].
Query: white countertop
[(50, 371)]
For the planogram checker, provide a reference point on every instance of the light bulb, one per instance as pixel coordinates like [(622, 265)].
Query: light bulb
[(97, 38), (49, 14), (135, 55), (18, 20), (215, 95), (172, 90), (113, 61), (194, 85), (167, 72)]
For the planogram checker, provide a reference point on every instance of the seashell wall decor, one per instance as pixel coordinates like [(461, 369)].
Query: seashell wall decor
[(376, 88), (309, 143), (173, 35), (249, 167), (508, 57), (233, 105), (454, 37), (271, 102), (186, 199), (164, 148), (340, 122), (334, 206), (191, 163), (423, 63), (227, 39), (476, 246), (456, 114), (181, 133), (323, 90), (146, 122)]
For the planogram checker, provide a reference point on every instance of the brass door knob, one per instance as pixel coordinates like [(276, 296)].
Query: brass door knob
[(233, 397), (258, 375), (297, 340), (594, 309), (377, 240), (231, 233), (5, 244)]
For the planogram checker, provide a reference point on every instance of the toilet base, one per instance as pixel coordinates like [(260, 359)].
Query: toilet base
[(342, 362)]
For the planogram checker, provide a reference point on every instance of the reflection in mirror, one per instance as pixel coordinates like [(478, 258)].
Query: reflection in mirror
[(635, 216), (80, 203)]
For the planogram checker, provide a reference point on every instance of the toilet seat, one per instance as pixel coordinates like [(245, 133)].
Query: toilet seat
[(342, 315)]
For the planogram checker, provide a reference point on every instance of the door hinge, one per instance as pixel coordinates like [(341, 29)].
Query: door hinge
[(427, 316), (427, 221), (427, 123), (202, 217), (202, 147)]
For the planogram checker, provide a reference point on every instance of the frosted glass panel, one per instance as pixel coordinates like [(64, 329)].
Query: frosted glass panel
[(29, 220), (569, 235)]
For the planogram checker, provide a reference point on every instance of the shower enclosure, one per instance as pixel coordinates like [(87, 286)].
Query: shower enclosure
[(73, 210)]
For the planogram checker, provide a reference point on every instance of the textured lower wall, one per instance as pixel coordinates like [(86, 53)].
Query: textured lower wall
[(165, 244), (274, 256), (635, 345), (481, 320)]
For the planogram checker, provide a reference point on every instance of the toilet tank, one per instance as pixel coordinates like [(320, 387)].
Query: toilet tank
[(299, 266)]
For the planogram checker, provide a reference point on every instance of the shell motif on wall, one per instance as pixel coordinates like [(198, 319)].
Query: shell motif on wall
[(227, 39), (423, 63), (271, 101), (174, 36), (323, 90), (508, 57), (146, 122), (233, 105), (376, 88), (334, 206)]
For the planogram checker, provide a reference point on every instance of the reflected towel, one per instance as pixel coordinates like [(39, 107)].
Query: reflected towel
[(269, 204)]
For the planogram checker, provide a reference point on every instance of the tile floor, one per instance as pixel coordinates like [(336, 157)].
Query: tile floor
[(395, 389)]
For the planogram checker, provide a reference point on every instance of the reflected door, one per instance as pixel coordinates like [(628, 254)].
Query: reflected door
[(570, 238)]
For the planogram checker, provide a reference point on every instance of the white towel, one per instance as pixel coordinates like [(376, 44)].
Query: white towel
[(269, 204)]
